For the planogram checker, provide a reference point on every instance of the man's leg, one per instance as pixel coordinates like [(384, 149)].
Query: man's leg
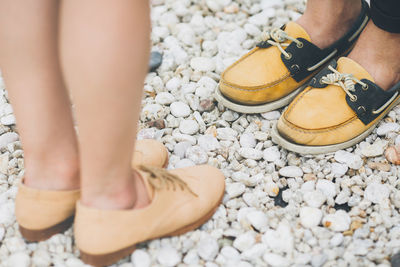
[(29, 62), (377, 49)]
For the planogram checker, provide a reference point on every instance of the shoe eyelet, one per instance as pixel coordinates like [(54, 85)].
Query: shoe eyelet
[(365, 88), (361, 109), (321, 82), (353, 98), (295, 67), (299, 45), (289, 56)]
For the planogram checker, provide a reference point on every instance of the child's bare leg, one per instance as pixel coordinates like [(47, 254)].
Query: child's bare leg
[(30, 65), (105, 49)]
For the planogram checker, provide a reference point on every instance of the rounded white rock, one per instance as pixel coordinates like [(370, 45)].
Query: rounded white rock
[(310, 217), (291, 171), (208, 248), (164, 98), (140, 258), (339, 221), (180, 109), (188, 127), (376, 192), (168, 256)]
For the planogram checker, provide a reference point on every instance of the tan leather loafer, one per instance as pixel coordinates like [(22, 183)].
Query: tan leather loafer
[(43, 213), (340, 108), (181, 200), (273, 73)]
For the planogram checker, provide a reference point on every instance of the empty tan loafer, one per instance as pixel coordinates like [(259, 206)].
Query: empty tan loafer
[(181, 200), (43, 213), (340, 107)]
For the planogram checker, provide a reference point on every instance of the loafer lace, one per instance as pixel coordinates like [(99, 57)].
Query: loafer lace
[(277, 37), (160, 178), (344, 80)]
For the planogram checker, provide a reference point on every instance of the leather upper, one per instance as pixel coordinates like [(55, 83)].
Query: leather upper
[(260, 76), (40, 209), (106, 231), (322, 116), (150, 152)]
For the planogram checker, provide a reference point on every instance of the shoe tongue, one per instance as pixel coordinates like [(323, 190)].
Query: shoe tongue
[(347, 65), (296, 31)]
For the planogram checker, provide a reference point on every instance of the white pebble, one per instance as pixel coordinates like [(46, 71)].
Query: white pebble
[(250, 153), (376, 192), (140, 258), (258, 220), (244, 241), (314, 198), (202, 64), (291, 171), (338, 221), (235, 189), (168, 256), (248, 140), (351, 160), (271, 154), (208, 248), (388, 127), (189, 127), (19, 259), (164, 98), (327, 188), (180, 109), (310, 217)]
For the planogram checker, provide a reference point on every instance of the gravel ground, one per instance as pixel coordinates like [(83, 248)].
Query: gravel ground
[(280, 209)]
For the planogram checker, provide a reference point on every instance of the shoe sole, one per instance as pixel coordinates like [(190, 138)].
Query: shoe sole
[(44, 234), (111, 258), (315, 150), (253, 109)]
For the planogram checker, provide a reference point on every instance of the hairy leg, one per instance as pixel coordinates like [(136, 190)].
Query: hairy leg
[(328, 20), (29, 61), (104, 52)]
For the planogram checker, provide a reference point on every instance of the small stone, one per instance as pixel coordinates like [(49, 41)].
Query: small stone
[(258, 220), (379, 166), (248, 140), (271, 154), (374, 150), (180, 149), (206, 105), (291, 171), (159, 124), (250, 153), (202, 64), (351, 160), (336, 240), (164, 98), (235, 189), (19, 259), (2, 232), (272, 115), (140, 258), (188, 127), (318, 260), (226, 134), (191, 257), (168, 256), (244, 241), (7, 138), (386, 128), (74, 262), (327, 188), (314, 199), (41, 258), (180, 109), (310, 217), (339, 221), (272, 189), (197, 155), (8, 120), (208, 142), (208, 248), (376, 192), (339, 169), (276, 260)]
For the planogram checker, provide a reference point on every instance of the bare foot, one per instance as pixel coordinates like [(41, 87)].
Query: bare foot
[(326, 21), (377, 51)]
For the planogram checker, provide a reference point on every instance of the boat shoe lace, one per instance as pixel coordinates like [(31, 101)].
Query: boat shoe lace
[(277, 37), (160, 178), (347, 82)]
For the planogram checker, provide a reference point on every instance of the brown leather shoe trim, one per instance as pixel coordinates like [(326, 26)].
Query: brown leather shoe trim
[(44, 234)]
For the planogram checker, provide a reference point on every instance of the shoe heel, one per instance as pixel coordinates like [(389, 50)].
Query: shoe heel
[(44, 234), (106, 259)]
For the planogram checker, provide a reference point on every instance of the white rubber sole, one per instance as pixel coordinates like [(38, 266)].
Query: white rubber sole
[(249, 109), (314, 150)]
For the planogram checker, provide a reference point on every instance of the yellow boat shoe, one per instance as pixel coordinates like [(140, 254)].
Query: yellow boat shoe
[(181, 200), (43, 213), (273, 73), (340, 108)]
